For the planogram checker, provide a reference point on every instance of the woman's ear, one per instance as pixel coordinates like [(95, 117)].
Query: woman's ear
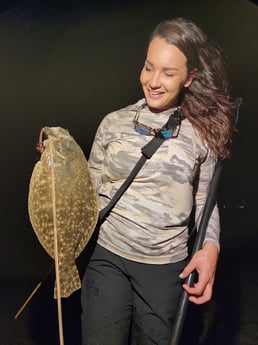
[(191, 77)]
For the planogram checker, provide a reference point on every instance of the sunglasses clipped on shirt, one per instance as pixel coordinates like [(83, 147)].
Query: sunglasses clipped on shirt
[(169, 130)]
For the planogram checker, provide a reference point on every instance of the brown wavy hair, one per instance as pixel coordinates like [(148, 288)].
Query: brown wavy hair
[(206, 103)]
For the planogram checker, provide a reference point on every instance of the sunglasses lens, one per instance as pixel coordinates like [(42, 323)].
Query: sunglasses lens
[(142, 129), (170, 130), (166, 134)]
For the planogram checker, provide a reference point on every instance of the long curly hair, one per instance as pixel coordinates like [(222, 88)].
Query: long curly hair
[(206, 102)]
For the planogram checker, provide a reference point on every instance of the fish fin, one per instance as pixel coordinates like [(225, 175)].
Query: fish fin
[(69, 280)]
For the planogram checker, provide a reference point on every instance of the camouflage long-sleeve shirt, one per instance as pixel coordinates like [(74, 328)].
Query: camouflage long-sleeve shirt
[(149, 224)]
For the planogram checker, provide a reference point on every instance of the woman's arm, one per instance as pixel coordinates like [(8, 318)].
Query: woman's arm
[(204, 261)]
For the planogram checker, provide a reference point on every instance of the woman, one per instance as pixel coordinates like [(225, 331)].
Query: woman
[(133, 281)]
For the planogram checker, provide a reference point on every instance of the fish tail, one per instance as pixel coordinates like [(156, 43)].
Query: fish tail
[(69, 280)]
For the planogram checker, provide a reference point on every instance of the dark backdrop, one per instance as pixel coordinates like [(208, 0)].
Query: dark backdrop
[(69, 63)]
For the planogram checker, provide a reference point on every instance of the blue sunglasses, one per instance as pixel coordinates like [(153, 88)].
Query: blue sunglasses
[(163, 132)]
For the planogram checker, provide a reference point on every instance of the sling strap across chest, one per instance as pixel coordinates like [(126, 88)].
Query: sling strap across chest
[(168, 131)]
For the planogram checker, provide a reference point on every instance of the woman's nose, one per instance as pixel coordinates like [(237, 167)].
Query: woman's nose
[(155, 80)]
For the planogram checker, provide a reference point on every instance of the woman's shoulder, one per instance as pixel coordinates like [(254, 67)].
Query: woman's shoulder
[(122, 113), (129, 108), (191, 135)]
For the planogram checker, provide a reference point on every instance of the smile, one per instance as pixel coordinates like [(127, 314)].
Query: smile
[(155, 93)]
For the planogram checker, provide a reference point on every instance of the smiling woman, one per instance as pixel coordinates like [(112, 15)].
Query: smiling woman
[(132, 283), (164, 75)]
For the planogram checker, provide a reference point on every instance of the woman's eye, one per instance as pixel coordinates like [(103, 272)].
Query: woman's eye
[(169, 75), (148, 69)]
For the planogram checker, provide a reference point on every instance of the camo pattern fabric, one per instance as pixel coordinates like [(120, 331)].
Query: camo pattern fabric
[(149, 224)]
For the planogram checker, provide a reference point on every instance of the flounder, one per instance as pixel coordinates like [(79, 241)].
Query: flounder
[(62, 201)]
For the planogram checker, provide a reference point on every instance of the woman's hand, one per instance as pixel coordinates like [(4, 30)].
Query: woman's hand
[(204, 262)]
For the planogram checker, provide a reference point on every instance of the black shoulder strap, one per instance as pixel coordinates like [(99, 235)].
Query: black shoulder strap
[(148, 150), (151, 147)]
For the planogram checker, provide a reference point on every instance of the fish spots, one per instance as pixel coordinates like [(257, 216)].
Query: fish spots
[(74, 208)]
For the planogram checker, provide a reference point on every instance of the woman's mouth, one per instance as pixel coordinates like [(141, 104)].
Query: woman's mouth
[(155, 94)]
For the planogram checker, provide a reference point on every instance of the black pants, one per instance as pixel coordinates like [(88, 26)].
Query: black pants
[(125, 302)]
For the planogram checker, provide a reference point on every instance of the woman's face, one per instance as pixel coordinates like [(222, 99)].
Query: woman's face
[(164, 75)]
